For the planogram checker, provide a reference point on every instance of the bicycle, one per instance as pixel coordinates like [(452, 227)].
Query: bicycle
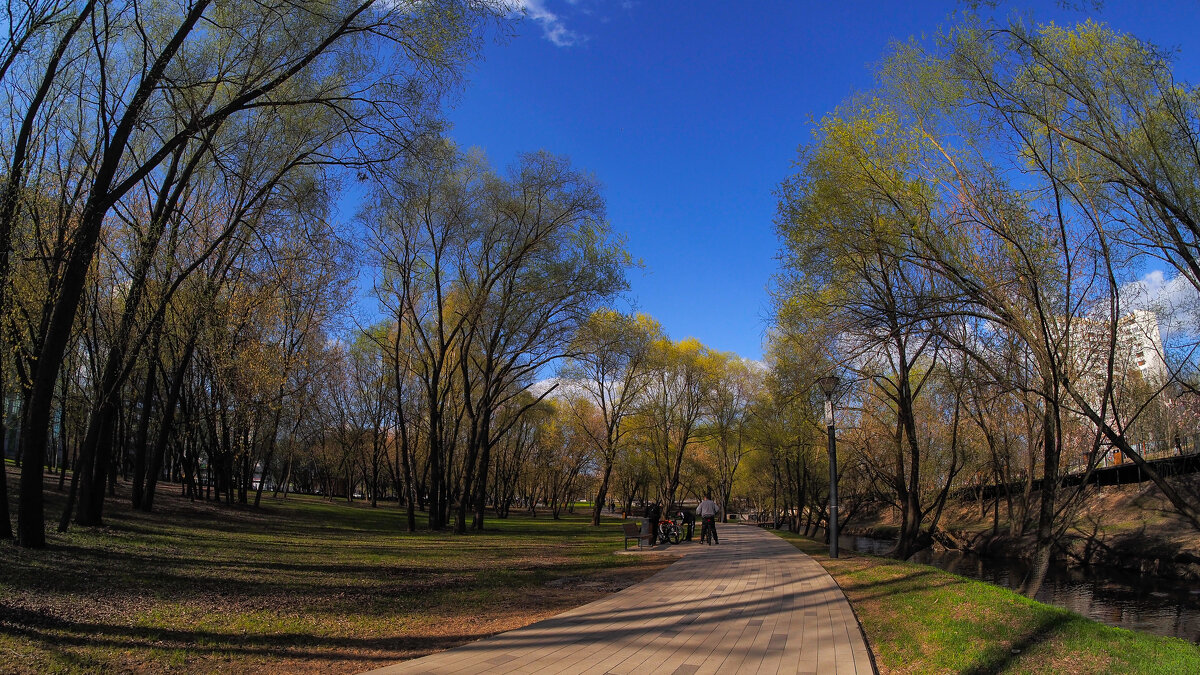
[(669, 532), (708, 530)]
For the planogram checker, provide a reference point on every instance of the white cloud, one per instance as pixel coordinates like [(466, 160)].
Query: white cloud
[(554, 28), (1174, 300)]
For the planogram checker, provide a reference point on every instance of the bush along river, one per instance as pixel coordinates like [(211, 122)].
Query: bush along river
[(1115, 597)]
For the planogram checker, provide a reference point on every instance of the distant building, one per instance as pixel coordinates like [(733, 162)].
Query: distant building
[(1138, 347), (1139, 342), (1137, 355)]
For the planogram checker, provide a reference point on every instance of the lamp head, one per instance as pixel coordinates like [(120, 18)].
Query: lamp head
[(828, 385)]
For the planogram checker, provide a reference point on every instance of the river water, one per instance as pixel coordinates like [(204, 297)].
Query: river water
[(1115, 597)]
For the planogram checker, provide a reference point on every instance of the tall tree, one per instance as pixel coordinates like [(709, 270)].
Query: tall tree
[(674, 405), (610, 365), (736, 385), (366, 65), (1107, 127), (489, 276), (846, 263), (548, 258), (1012, 230)]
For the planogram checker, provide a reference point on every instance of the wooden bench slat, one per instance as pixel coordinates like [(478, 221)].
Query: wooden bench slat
[(633, 531)]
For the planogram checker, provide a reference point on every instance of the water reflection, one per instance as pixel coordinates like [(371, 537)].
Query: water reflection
[(1151, 605)]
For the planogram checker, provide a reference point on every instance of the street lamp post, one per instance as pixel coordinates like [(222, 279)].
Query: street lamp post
[(829, 385)]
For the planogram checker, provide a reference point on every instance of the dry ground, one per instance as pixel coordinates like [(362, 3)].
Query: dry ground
[(302, 585)]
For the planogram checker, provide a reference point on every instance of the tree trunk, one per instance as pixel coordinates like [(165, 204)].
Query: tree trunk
[(65, 520), (166, 426), (602, 493), (63, 436), (485, 460), (31, 516), (435, 467), (262, 478), (287, 468), (140, 438), (1045, 531), (6, 531)]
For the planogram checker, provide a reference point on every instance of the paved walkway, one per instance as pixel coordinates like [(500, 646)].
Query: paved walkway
[(753, 604)]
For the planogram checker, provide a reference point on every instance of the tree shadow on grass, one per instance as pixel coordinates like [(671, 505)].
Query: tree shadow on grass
[(998, 659), (908, 582), (86, 571), (57, 635), (284, 566)]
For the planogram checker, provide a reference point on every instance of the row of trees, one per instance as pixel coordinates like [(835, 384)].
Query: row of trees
[(166, 253), (632, 415), (175, 294), (485, 280), (962, 243)]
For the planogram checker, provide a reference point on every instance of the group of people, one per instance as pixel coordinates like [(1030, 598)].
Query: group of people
[(707, 511)]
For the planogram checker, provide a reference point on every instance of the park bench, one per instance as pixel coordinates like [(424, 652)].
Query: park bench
[(765, 524), (634, 531)]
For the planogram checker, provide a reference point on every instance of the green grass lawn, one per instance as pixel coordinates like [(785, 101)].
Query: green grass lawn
[(919, 619), (297, 585)]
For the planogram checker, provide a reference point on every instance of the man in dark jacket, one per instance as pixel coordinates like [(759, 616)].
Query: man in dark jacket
[(653, 514), (689, 522)]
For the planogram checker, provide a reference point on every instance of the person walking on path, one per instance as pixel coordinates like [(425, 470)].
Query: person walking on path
[(708, 511)]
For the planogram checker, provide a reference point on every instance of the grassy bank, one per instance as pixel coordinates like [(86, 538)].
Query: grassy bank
[(919, 619), (301, 585)]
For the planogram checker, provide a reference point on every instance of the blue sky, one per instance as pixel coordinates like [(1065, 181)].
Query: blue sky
[(690, 114)]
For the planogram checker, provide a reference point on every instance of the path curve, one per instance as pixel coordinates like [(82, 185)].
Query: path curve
[(753, 604)]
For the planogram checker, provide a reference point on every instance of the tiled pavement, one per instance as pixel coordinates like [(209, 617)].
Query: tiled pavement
[(753, 604)]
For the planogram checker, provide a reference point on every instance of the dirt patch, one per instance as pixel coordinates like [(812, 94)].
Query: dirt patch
[(608, 581)]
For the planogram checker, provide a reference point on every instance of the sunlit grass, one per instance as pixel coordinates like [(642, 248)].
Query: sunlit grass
[(919, 619)]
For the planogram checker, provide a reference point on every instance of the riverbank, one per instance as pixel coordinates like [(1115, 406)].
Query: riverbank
[(920, 619), (1128, 527)]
